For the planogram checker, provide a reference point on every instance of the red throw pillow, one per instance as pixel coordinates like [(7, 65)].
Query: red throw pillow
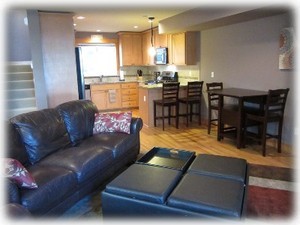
[(17, 173), (112, 122)]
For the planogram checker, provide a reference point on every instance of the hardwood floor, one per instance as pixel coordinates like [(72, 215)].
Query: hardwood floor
[(195, 138)]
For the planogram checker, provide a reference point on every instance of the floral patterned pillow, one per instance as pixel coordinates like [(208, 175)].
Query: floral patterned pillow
[(112, 122), (17, 173)]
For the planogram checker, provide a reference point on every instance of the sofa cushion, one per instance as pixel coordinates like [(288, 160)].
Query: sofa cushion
[(118, 143), (55, 184), (17, 173), (112, 122), (143, 182), (208, 195), (42, 132), (79, 117), (84, 162)]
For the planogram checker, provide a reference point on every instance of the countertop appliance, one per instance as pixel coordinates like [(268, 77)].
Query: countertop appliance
[(161, 56), (167, 76)]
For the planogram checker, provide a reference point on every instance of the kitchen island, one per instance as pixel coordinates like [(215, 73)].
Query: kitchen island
[(148, 93)]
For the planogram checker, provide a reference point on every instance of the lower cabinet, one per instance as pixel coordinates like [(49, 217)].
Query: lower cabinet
[(129, 95), (106, 96), (115, 96)]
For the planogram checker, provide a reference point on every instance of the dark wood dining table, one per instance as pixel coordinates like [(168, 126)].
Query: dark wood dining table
[(234, 116)]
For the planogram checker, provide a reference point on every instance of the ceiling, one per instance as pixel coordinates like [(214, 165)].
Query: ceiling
[(122, 19)]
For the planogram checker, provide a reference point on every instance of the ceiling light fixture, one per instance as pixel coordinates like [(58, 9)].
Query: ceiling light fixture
[(151, 50)]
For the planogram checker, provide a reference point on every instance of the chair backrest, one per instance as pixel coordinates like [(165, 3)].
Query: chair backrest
[(170, 91), (213, 98), (194, 89), (276, 102)]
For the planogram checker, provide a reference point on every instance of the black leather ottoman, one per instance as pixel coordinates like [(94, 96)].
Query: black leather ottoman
[(220, 166), (205, 190), (209, 195), (150, 184)]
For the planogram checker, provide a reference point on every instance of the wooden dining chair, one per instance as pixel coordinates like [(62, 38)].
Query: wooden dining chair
[(193, 97), (213, 104), (169, 99), (273, 113)]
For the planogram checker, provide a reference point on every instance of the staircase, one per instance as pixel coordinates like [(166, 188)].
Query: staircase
[(20, 94)]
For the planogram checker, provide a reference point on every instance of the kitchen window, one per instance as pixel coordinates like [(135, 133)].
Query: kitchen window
[(100, 59)]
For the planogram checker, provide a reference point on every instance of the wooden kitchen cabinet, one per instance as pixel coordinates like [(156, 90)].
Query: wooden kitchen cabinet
[(130, 47), (106, 96), (160, 40), (183, 48), (146, 44), (129, 92)]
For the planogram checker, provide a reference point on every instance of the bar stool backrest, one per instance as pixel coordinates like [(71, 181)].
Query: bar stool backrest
[(194, 89), (170, 91)]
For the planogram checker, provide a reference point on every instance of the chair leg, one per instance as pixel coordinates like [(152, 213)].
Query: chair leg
[(209, 121), (279, 136), (177, 115), (154, 113), (199, 113), (264, 139), (169, 115), (187, 114), (163, 116), (191, 112)]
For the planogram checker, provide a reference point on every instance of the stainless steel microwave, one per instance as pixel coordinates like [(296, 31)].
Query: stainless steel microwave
[(161, 56)]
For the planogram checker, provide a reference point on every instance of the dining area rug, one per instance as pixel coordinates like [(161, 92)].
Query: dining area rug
[(271, 195)]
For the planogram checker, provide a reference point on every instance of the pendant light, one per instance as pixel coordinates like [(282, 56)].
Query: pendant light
[(152, 49)]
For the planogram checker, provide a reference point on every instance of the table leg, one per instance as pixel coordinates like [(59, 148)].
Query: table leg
[(220, 124), (239, 124)]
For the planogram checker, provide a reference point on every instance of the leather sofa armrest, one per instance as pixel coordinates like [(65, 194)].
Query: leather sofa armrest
[(13, 192), (136, 125), (15, 210)]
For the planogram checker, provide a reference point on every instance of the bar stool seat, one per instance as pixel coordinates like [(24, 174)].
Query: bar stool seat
[(169, 99)]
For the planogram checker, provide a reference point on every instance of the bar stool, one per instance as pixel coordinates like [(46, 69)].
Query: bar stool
[(193, 96), (169, 98), (213, 103)]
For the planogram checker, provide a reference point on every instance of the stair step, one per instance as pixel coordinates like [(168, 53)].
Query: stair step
[(21, 103), (23, 84), (19, 76), (18, 67), (20, 93), (14, 112)]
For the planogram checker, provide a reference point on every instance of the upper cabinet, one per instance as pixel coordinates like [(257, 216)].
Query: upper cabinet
[(182, 48), (148, 59), (130, 47)]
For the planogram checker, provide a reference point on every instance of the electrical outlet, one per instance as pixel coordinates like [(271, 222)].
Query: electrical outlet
[(144, 98), (212, 74)]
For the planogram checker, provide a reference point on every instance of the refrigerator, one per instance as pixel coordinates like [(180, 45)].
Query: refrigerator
[(80, 76)]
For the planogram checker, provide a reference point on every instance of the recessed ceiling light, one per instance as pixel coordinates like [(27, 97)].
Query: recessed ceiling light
[(74, 24), (135, 27), (98, 30), (80, 17)]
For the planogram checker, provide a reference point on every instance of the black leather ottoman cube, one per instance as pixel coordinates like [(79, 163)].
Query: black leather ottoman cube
[(209, 195), (149, 184), (220, 166)]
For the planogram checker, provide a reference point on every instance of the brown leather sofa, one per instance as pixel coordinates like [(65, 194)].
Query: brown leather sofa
[(67, 161)]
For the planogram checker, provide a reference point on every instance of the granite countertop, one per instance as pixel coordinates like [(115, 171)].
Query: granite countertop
[(153, 86), (113, 82)]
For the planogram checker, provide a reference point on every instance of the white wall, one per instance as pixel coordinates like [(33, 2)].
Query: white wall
[(246, 55)]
